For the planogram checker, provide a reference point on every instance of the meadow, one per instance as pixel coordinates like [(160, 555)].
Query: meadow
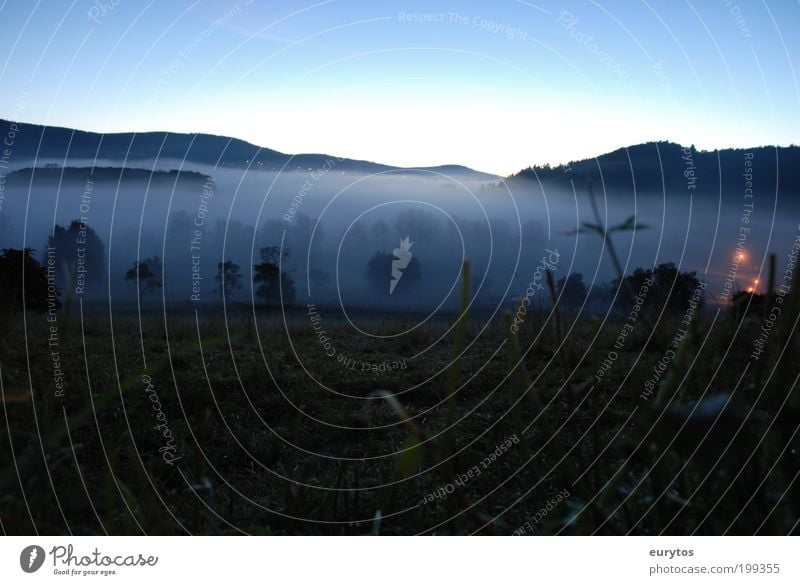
[(241, 421)]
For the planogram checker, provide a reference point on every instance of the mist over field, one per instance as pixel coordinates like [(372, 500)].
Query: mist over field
[(330, 217)]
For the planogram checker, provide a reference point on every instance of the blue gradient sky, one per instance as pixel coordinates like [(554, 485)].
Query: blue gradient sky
[(362, 80)]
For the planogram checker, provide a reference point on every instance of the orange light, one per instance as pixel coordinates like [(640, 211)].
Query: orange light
[(750, 289)]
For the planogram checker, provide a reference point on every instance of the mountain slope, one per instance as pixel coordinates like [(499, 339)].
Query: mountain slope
[(32, 142), (657, 166)]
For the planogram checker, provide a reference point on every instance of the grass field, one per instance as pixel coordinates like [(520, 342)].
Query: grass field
[(213, 423)]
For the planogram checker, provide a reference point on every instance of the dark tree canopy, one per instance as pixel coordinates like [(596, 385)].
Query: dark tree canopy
[(671, 290), (743, 303), (229, 278), (18, 267), (80, 257), (273, 283), (572, 289), (146, 274)]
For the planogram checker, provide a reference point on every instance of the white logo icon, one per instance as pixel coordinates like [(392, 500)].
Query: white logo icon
[(402, 258)]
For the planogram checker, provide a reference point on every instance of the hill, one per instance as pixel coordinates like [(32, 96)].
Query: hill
[(34, 142), (669, 167)]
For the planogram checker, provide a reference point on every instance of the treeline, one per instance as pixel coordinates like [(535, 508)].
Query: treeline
[(656, 166), (315, 262), (300, 262)]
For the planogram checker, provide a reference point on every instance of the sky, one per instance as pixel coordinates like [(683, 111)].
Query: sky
[(495, 86)]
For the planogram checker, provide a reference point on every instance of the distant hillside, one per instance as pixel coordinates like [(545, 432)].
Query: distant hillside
[(656, 166), (33, 141), (650, 167), (51, 174)]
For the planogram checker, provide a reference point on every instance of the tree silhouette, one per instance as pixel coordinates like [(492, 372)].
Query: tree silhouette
[(23, 278), (743, 303), (671, 290), (355, 244), (78, 251), (229, 278), (675, 288), (572, 289), (273, 283), (379, 235), (147, 275)]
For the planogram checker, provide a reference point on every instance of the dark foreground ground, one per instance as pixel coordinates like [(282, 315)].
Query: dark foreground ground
[(211, 424)]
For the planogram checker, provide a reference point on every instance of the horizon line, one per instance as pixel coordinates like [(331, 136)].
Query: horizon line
[(413, 167)]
